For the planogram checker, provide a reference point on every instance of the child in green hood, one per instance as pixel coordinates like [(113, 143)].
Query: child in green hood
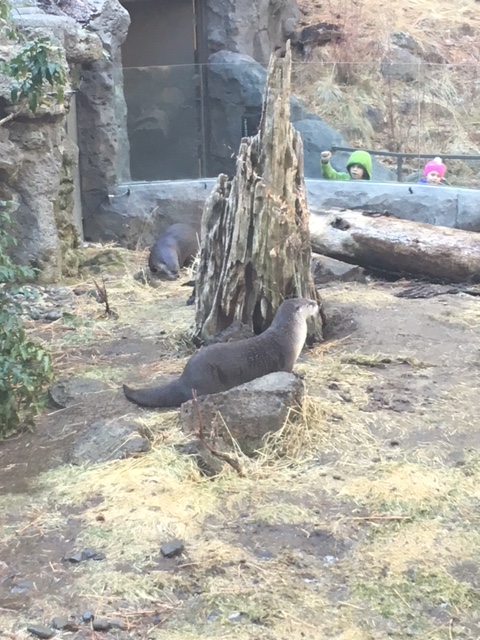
[(359, 167)]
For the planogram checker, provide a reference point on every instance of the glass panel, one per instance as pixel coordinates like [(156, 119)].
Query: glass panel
[(187, 121), (163, 122)]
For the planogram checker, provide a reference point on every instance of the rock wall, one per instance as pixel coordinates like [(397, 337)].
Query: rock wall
[(251, 27), (38, 158), (102, 111), (39, 167)]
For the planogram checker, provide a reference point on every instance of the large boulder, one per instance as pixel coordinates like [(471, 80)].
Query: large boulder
[(246, 413)]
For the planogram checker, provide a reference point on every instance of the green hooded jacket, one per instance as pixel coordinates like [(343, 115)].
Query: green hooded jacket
[(363, 158)]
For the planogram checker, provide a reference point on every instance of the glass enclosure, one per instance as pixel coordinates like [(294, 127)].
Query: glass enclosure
[(186, 121)]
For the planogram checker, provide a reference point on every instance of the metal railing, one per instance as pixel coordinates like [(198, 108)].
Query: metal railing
[(400, 156)]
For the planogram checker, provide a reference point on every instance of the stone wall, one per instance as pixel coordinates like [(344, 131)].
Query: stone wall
[(38, 167), (141, 212)]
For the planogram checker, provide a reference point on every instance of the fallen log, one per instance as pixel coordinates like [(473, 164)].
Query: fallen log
[(397, 246)]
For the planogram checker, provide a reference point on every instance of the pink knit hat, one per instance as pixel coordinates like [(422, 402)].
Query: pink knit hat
[(435, 165)]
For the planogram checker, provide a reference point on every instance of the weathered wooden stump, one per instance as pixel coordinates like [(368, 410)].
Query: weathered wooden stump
[(255, 228)]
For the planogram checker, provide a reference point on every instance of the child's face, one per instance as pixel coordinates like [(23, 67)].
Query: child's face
[(433, 177), (356, 171)]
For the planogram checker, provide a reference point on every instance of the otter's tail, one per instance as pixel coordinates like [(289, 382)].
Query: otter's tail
[(169, 395)]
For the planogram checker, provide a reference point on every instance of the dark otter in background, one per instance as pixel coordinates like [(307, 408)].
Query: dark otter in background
[(177, 246), (225, 365)]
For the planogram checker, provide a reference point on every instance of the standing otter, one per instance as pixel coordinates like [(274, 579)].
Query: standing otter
[(225, 365), (177, 246)]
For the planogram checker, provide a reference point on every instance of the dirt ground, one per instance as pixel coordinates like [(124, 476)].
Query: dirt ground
[(366, 527)]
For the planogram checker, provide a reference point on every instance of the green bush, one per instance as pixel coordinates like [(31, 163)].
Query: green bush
[(25, 367)]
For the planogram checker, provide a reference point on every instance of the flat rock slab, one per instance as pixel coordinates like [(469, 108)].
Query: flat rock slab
[(112, 439), (245, 413)]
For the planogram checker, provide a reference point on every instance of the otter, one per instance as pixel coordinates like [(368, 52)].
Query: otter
[(176, 247), (222, 366)]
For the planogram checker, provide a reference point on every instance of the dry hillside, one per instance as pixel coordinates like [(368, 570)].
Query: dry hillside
[(425, 102)]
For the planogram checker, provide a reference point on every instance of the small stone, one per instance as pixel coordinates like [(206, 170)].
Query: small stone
[(99, 556), (172, 549), (337, 477), (87, 616), (62, 622), (236, 616), (75, 557), (88, 554), (34, 314), (117, 624), (213, 615), (101, 624), (51, 316), (41, 632), (22, 587)]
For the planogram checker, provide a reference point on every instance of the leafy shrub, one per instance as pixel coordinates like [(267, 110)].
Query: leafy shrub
[(36, 70), (25, 367)]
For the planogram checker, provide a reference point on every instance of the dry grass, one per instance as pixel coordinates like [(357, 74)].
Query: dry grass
[(364, 539)]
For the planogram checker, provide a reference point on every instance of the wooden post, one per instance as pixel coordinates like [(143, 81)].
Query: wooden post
[(255, 228)]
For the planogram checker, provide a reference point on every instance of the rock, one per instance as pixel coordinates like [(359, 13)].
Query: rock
[(81, 556), (117, 624), (112, 439), (172, 548), (87, 616), (68, 392), (248, 26), (236, 616), (250, 411), (213, 615), (51, 316), (21, 587), (400, 64), (423, 50), (102, 112), (208, 464), (74, 557), (376, 117), (101, 624), (315, 35), (41, 632), (326, 269), (63, 623)]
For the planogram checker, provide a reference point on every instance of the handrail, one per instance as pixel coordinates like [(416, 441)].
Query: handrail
[(400, 156)]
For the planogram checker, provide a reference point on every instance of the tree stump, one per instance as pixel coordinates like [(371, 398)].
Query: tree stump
[(255, 228)]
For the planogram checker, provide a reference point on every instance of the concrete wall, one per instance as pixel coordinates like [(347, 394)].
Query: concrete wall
[(142, 210)]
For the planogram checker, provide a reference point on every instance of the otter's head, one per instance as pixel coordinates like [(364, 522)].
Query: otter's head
[(301, 308), (161, 270)]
